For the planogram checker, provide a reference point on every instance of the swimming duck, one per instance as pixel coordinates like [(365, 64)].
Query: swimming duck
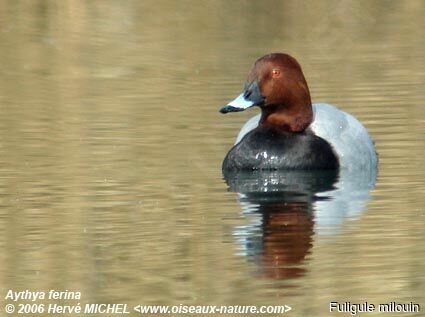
[(291, 132)]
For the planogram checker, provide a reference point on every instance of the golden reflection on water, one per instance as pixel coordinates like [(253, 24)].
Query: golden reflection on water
[(111, 145)]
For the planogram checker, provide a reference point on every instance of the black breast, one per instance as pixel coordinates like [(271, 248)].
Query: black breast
[(268, 149)]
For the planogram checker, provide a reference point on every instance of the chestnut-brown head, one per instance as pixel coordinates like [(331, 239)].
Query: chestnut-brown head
[(277, 85)]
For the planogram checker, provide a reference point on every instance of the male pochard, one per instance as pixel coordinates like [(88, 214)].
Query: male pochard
[(291, 132)]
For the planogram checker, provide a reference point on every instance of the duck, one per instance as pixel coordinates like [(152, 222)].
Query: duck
[(291, 133)]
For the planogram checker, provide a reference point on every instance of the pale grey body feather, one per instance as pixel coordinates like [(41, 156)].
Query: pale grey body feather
[(347, 136)]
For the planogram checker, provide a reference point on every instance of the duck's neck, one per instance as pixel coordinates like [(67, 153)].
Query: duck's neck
[(294, 116)]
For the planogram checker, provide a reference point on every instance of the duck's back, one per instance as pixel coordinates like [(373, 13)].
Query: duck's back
[(347, 137)]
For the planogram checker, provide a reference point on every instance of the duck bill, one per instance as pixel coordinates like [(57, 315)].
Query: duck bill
[(239, 104), (250, 97)]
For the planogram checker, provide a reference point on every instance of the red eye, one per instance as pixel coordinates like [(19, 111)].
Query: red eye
[(275, 73)]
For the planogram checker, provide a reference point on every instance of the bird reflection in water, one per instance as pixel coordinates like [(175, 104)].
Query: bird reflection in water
[(287, 208)]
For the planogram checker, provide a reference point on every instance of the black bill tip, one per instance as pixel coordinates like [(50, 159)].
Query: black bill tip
[(229, 108)]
